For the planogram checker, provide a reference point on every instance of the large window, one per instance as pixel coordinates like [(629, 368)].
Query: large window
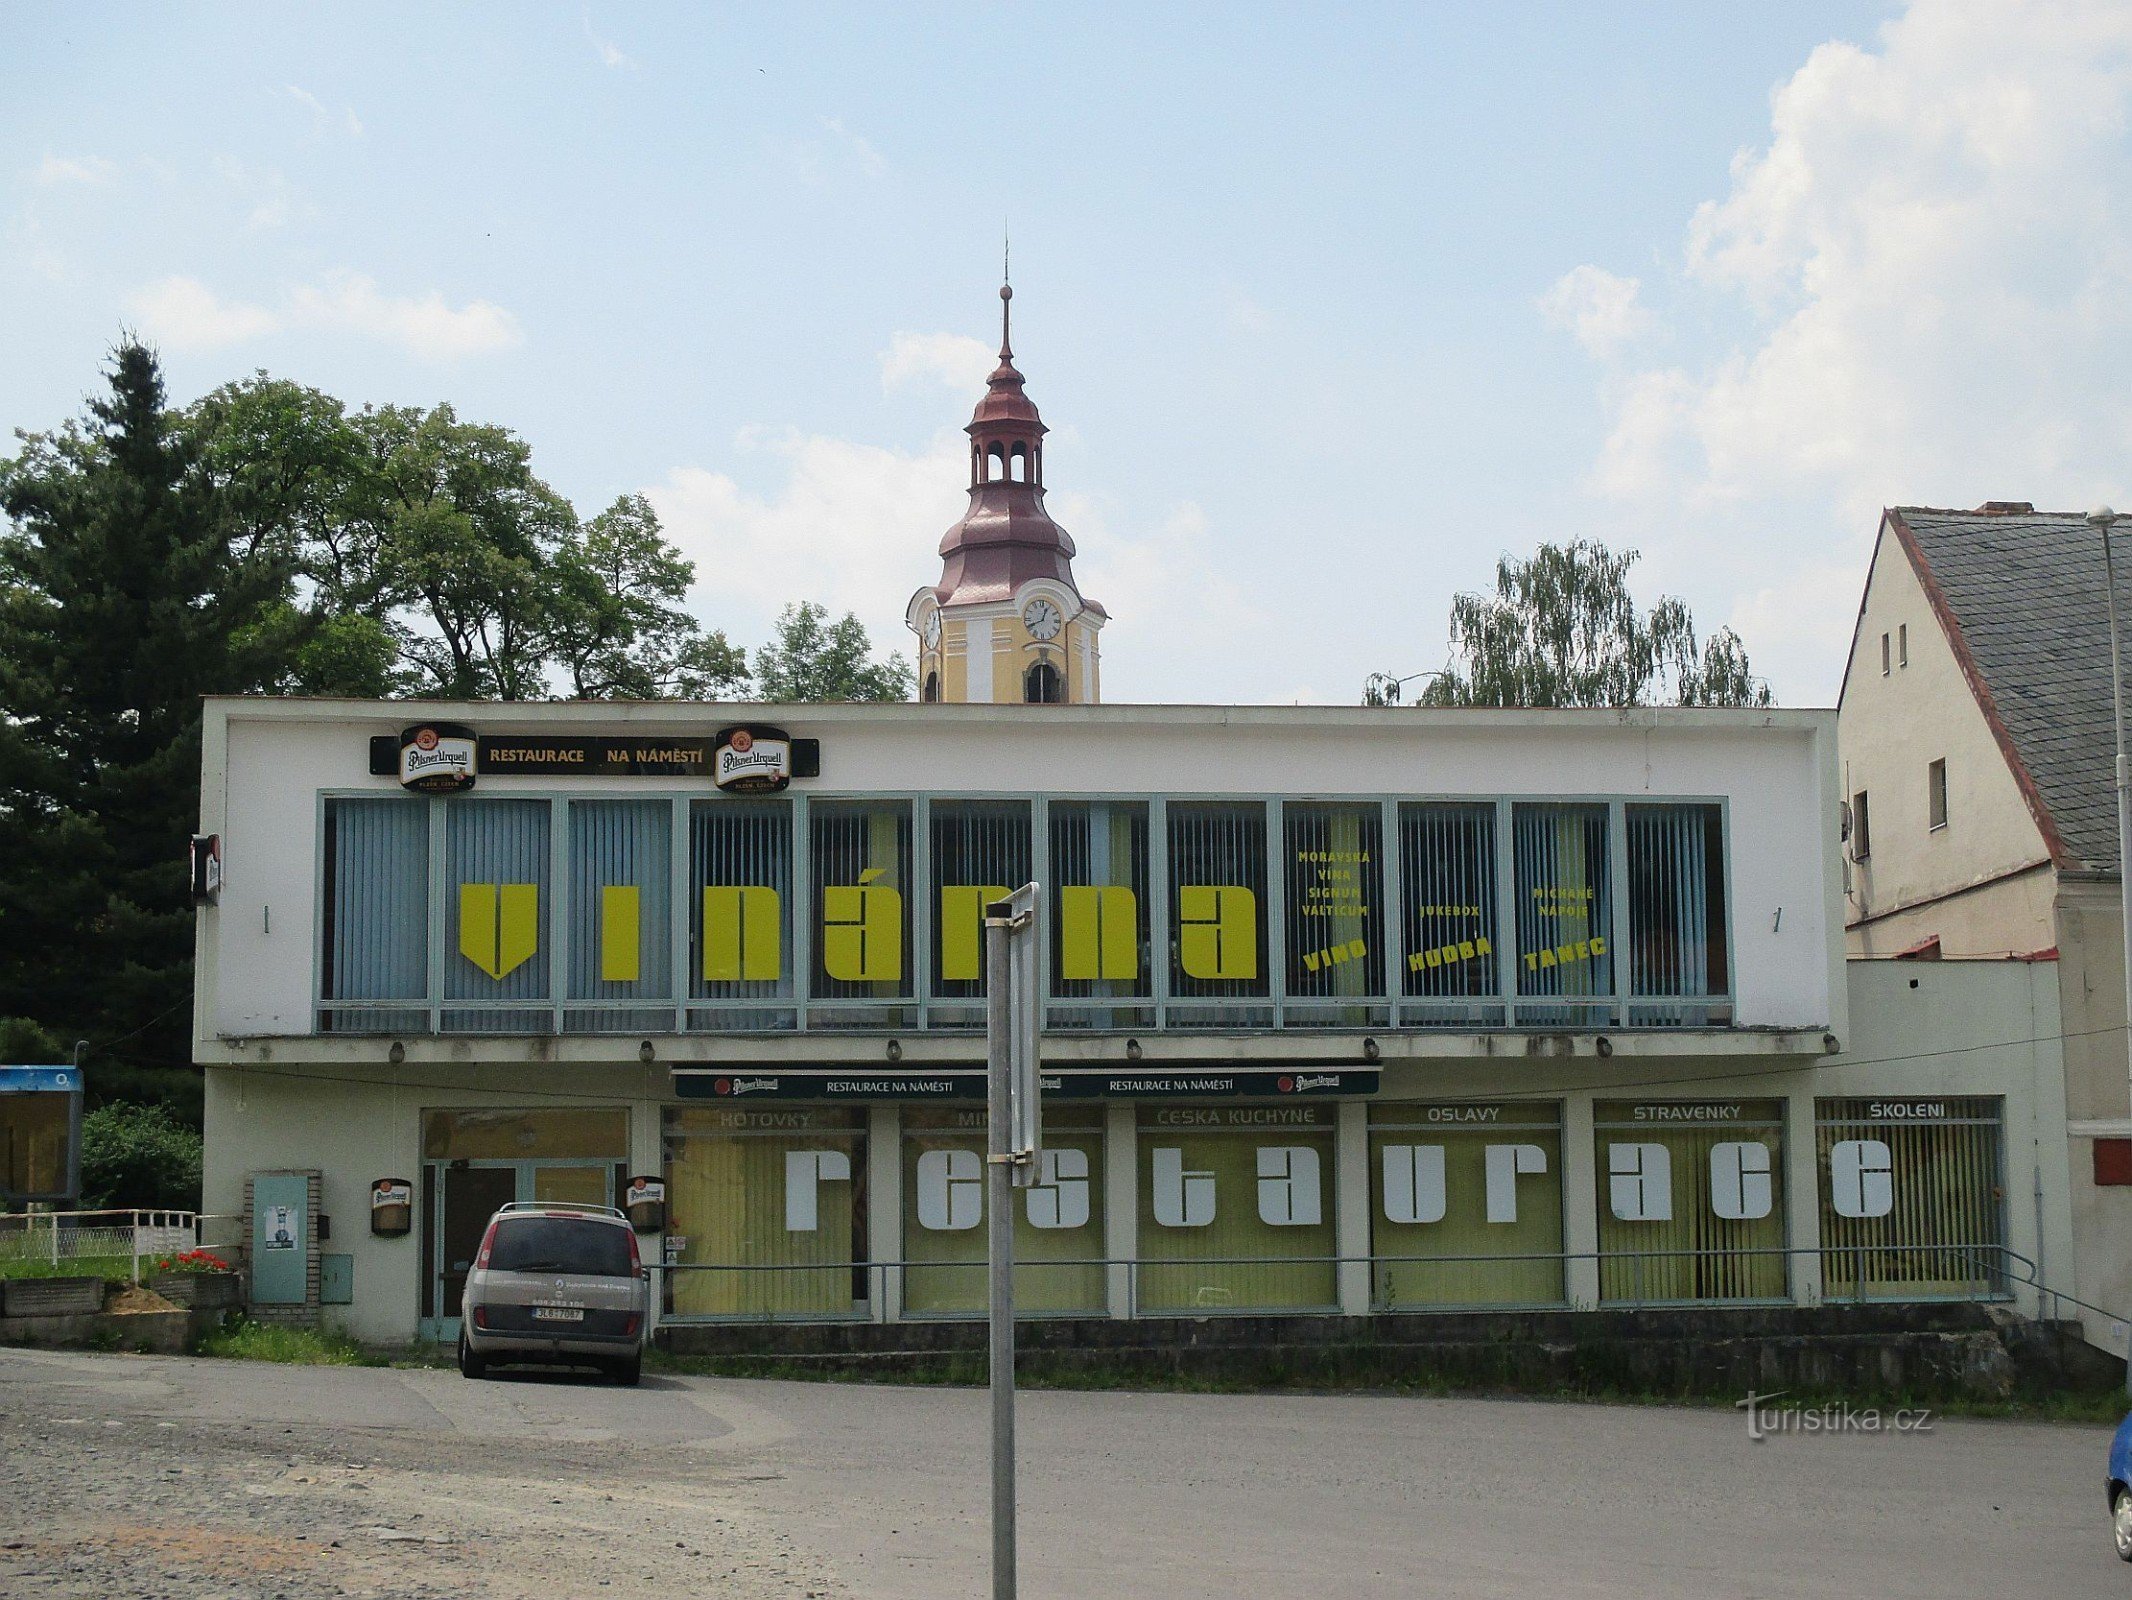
[(980, 853), (740, 914), (1333, 866), (1913, 1197), (1679, 939), (497, 915), (1565, 907), (1058, 1221), (1099, 910), (374, 921), (621, 916), (860, 860), (1451, 972), (1236, 1209), (1691, 1200), (766, 1212), (1217, 914), (1467, 1208)]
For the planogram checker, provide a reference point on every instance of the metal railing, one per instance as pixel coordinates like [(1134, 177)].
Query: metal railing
[(97, 1239), (1235, 1285)]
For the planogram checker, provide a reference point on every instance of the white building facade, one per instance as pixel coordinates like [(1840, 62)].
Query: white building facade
[(1347, 1010)]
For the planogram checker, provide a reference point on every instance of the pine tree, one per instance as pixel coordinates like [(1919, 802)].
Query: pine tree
[(121, 603)]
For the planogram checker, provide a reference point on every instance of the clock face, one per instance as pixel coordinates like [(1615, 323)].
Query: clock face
[(1043, 620), (932, 630)]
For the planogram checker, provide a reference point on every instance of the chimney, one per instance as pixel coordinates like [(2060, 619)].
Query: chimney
[(2005, 508)]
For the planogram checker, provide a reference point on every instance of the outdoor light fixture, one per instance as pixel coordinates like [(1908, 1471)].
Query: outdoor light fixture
[(397, 1054), (1132, 1049), (1371, 1051), (1606, 1045), (895, 1049), (645, 1051)]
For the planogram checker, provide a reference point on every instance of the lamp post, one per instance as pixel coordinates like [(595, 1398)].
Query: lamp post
[(1382, 689), (2103, 519)]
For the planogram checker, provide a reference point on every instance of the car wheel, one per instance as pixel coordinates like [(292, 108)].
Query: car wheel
[(470, 1364), (629, 1372), (2121, 1523)]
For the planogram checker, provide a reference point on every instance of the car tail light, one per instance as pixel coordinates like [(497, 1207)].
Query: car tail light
[(630, 1327), (481, 1316), (488, 1241)]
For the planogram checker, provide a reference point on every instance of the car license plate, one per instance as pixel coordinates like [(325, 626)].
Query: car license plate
[(558, 1313)]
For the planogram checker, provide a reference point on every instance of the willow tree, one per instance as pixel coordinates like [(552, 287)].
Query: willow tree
[(1562, 629)]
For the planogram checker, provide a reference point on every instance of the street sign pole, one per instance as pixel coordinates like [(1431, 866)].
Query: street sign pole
[(1012, 1134)]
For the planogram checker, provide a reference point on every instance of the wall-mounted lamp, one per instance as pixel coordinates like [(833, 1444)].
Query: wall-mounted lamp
[(1606, 1045), (895, 1049), (1132, 1049), (645, 1052), (1371, 1050), (397, 1054)]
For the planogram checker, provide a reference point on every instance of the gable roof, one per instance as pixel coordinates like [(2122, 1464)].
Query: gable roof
[(2020, 595)]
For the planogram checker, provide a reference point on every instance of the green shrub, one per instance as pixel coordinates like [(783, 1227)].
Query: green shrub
[(139, 1157)]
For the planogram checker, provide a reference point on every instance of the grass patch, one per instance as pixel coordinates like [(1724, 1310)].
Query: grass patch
[(112, 1269), (241, 1339)]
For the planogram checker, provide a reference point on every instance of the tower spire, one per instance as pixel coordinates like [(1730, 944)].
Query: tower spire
[(1006, 294)]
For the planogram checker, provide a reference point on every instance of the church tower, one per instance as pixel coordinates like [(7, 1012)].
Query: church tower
[(1006, 624)]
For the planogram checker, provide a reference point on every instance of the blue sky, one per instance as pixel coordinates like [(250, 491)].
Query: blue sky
[(1327, 308)]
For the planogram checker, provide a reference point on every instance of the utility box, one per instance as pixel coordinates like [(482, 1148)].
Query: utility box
[(282, 1239), (336, 1280)]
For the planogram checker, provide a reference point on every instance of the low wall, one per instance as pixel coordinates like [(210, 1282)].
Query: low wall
[(165, 1333), (1925, 1352)]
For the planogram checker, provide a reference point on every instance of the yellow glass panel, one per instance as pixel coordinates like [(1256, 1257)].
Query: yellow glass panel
[(962, 929), (740, 934), (862, 932), (574, 1133), (1098, 933), (499, 925), (1217, 935), (619, 919), (578, 1186)]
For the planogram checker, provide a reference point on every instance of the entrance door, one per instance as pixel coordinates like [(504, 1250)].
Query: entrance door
[(472, 1195)]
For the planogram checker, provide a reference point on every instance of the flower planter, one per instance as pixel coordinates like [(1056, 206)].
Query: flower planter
[(208, 1291), (52, 1297)]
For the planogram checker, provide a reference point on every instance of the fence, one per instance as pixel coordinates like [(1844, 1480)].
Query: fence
[(1417, 1284), (96, 1240)]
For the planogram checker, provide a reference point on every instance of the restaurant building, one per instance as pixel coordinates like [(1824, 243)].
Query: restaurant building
[(1346, 1009)]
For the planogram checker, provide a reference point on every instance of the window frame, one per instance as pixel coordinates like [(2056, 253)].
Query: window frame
[(1936, 804)]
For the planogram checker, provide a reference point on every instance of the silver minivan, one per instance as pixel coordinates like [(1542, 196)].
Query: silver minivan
[(557, 1284)]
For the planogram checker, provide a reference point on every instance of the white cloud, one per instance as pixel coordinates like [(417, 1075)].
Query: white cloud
[(322, 115), (1602, 310), (1926, 271), (950, 360), (1186, 607), (870, 161), (852, 526), (88, 170), (611, 55), (185, 314)]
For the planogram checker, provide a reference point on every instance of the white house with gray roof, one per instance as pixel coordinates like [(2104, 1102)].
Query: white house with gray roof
[(1975, 739)]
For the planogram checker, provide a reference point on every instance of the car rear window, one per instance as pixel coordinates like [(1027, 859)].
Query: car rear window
[(560, 1244)]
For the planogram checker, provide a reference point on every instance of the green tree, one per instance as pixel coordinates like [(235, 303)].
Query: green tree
[(1562, 629), (465, 537), (812, 659), (122, 600), (138, 1158), (616, 627)]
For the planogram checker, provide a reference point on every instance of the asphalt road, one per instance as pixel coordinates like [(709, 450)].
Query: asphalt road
[(174, 1477)]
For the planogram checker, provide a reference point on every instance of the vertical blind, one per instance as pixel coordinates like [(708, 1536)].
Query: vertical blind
[(1564, 906), (1696, 1253), (1099, 910), (1218, 902), (1916, 1207), (740, 876), (978, 846), (1335, 895), (1448, 883), (1678, 939), (497, 913), (376, 916), (861, 864), (621, 911)]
